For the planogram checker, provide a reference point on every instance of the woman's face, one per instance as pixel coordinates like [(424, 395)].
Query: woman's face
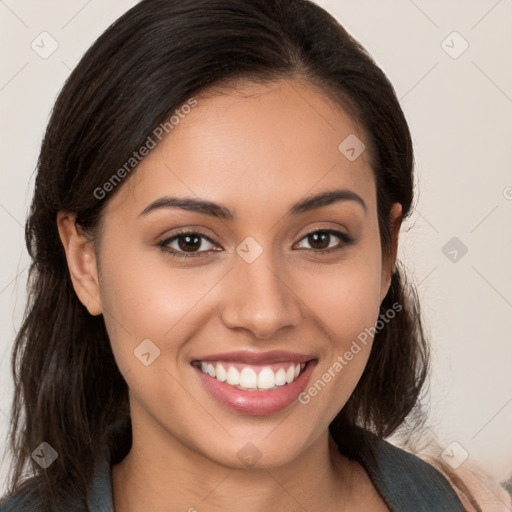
[(264, 281)]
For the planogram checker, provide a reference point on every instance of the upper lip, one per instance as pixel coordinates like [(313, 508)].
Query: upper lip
[(258, 358)]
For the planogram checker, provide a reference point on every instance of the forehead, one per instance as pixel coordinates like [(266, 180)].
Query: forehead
[(254, 146)]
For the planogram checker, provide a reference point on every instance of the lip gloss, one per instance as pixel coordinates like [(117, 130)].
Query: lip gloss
[(256, 402)]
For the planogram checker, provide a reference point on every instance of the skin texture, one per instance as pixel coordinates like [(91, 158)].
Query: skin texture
[(257, 150)]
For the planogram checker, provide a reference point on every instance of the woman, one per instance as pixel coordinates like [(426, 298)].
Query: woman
[(217, 320)]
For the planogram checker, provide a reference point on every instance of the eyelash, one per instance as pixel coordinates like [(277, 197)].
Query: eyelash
[(346, 240)]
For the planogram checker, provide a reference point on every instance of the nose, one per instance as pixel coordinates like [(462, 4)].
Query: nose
[(259, 297)]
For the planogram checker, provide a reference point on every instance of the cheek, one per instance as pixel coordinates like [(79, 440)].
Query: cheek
[(144, 298), (345, 300), (344, 297)]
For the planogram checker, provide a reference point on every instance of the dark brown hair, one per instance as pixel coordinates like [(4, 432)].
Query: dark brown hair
[(69, 391)]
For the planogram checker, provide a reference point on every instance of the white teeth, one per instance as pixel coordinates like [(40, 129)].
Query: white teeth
[(210, 370), (280, 377), (266, 379), (248, 378), (220, 373), (233, 376), (290, 374)]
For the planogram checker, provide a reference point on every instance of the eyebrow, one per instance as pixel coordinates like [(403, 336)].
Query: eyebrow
[(222, 212)]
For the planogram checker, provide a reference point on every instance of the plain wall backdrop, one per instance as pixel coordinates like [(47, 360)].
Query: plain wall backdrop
[(450, 64)]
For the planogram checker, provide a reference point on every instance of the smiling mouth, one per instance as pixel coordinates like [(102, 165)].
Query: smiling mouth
[(247, 377)]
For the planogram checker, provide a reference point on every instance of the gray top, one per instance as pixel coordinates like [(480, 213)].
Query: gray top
[(405, 482), (100, 499)]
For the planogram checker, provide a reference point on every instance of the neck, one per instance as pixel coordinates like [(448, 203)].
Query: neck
[(165, 475)]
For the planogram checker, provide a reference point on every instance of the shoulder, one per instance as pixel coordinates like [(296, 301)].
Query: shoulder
[(30, 497), (26, 498), (475, 488), (405, 481), (32, 494), (410, 479)]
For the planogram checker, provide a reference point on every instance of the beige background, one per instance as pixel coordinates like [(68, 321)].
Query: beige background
[(459, 110)]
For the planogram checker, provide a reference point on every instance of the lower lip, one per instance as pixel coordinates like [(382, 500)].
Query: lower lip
[(256, 402)]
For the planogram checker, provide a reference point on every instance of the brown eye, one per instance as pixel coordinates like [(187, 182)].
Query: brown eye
[(186, 244), (321, 240)]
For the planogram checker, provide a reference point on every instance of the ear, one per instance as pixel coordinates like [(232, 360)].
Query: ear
[(81, 259), (388, 264)]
